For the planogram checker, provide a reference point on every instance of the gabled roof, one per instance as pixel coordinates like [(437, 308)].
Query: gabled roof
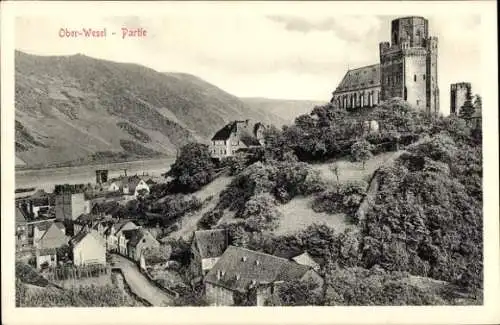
[(134, 236), (120, 224), (83, 234), (43, 226), (52, 238), (20, 216), (239, 127), (306, 259), (238, 268), (225, 132), (60, 225), (130, 181), (360, 78), (211, 243)]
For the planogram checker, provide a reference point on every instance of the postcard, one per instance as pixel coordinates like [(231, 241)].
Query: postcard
[(250, 162)]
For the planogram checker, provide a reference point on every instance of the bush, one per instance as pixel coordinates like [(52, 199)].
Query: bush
[(27, 274), (260, 213), (210, 219), (342, 198)]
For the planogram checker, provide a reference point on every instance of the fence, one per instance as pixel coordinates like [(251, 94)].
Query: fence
[(59, 273)]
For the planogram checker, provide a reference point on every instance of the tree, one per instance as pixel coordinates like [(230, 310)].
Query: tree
[(334, 168), (155, 255), (299, 293), (361, 151), (478, 102), (260, 213), (193, 167), (467, 109)]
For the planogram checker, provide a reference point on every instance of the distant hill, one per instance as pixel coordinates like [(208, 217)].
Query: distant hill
[(284, 108), (77, 109)]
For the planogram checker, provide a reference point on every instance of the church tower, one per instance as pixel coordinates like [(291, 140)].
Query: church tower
[(408, 65)]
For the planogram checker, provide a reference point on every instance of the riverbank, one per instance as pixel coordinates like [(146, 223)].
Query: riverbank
[(47, 178)]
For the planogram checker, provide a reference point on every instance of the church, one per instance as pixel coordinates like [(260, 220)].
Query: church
[(407, 69)]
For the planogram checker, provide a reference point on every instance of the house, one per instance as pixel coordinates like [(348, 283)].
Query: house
[(207, 247), (129, 185), (138, 240), (88, 248), (49, 237), (308, 260), (22, 234), (235, 136), (255, 275), (115, 239)]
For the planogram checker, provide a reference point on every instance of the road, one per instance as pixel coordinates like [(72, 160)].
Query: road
[(139, 284)]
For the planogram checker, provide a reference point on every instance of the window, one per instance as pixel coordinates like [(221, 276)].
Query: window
[(415, 78), (423, 76), (418, 102)]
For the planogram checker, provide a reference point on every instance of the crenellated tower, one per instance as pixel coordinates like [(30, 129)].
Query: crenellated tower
[(408, 65)]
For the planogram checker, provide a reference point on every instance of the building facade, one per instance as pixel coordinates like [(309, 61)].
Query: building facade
[(71, 206), (235, 136), (458, 95), (88, 248), (407, 69)]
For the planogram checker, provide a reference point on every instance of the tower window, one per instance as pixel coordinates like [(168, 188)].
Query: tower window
[(415, 77)]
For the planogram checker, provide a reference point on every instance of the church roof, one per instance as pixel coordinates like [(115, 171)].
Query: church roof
[(360, 78)]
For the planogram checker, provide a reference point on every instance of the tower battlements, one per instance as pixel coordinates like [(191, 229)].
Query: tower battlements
[(407, 69)]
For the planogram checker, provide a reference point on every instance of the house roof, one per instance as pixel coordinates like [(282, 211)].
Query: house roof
[(134, 236), (360, 78), (238, 268), (240, 127), (225, 132), (211, 243), (83, 234), (43, 226), (60, 225), (120, 224), (52, 238), (130, 181), (20, 215), (305, 256)]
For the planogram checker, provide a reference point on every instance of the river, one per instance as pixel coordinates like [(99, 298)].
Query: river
[(47, 178)]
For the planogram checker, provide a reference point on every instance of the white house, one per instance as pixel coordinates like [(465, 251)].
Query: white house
[(88, 248), (131, 186)]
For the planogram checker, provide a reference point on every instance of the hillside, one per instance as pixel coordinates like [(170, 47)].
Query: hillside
[(79, 109), (284, 108)]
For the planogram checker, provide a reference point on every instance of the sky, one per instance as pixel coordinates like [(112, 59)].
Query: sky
[(273, 55)]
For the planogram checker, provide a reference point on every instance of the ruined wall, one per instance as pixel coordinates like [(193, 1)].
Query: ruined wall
[(458, 93)]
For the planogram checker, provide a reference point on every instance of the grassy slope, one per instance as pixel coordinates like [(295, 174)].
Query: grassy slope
[(189, 221), (297, 214)]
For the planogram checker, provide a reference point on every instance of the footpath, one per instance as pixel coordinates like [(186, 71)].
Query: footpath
[(139, 284)]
